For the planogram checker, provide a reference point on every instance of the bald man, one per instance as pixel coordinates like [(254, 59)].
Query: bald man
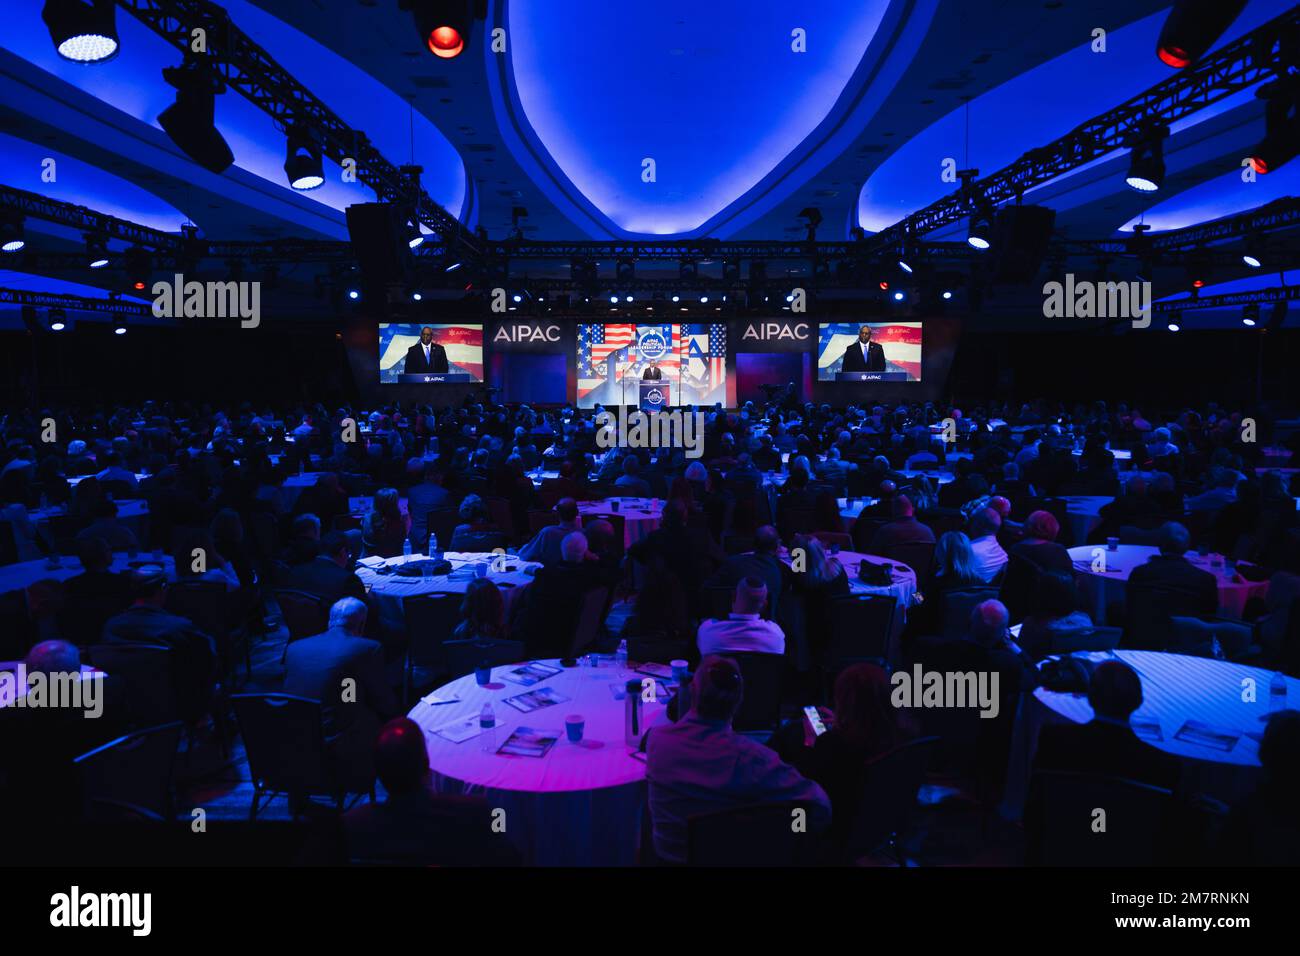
[(426, 355)]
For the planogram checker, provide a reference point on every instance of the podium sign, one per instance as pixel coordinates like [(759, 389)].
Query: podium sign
[(654, 396), (871, 377), (421, 378)]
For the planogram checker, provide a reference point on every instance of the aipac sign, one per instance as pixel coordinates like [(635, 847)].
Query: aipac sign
[(529, 337)]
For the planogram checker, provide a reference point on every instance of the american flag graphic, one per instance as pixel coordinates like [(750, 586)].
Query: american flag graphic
[(704, 363), (900, 340), (609, 353), (463, 343)]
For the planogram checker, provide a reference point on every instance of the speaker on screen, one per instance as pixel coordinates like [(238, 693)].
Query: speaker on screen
[(1020, 237)]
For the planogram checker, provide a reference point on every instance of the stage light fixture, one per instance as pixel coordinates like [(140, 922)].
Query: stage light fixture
[(704, 299), (302, 161), (138, 264), (1281, 139), (1250, 315), (947, 295), (443, 25), (11, 231), (84, 32), (1146, 167), (1174, 327), (416, 297), (96, 251), (613, 300), (1251, 259), (518, 297), (453, 267), (677, 298), (120, 330), (980, 232), (189, 121), (353, 294), (903, 264), (1192, 27), (884, 285), (58, 320), (628, 299), (898, 297)]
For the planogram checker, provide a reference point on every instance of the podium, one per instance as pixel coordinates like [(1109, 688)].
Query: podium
[(653, 396), (420, 378), (871, 377)]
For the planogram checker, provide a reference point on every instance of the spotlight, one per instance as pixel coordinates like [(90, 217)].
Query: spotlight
[(189, 121), (981, 229), (82, 32), (414, 237), (96, 251), (1198, 283), (1146, 168), (947, 295), (898, 297), (613, 299), (302, 161), (353, 294), (704, 299), (443, 25), (1281, 139), (11, 232), (518, 297), (902, 264), (884, 285), (58, 320), (628, 299), (1192, 27), (1250, 315), (1251, 260), (1174, 327), (453, 267), (677, 298), (416, 297), (120, 330)]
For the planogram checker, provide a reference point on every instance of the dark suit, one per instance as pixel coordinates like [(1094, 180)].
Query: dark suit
[(652, 374), (322, 577), (855, 361), (768, 568), (316, 668), (552, 607), (1105, 748), (416, 363), (1162, 588)]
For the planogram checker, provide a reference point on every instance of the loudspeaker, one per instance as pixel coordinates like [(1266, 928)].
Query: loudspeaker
[(1020, 238), (378, 234)]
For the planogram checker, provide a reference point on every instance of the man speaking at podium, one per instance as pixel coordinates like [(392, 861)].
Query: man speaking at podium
[(425, 356), (652, 373), (864, 355)]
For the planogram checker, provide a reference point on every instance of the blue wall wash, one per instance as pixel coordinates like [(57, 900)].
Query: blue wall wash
[(602, 86), (1046, 102)]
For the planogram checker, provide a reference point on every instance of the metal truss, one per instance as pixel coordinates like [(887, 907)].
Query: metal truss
[(251, 71), (49, 300), (1265, 52), (1263, 296), (85, 220)]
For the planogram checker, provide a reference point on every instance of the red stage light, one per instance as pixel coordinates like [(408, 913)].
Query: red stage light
[(446, 42), (1259, 164), (1198, 283), (1174, 56), (884, 285), (138, 286)]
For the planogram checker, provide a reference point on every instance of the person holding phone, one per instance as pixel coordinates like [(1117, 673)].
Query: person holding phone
[(863, 724)]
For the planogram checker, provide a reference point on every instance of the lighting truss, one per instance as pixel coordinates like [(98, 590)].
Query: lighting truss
[(49, 300), (1277, 294)]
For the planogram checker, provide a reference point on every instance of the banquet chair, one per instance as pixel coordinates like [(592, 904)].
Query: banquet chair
[(206, 605), (1061, 808), (760, 704), (957, 606), (464, 657), (590, 618), (430, 619), (537, 520), (135, 769), (861, 626), (499, 512), (285, 741), (890, 787), (305, 615), (718, 601), (145, 672), (748, 836)]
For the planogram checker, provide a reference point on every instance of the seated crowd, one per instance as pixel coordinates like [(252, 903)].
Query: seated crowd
[(254, 517)]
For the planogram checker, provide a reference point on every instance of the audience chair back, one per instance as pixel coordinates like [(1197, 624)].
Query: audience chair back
[(148, 681), (464, 657), (890, 787), (285, 743), (590, 618), (136, 769), (1061, 805), (861, 626), (764, 675), (747, 836), (305, 615), (430, 619)]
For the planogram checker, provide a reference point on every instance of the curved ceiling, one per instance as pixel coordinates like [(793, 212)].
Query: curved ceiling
[(1224, 195), (714, 94), (1046, 102)]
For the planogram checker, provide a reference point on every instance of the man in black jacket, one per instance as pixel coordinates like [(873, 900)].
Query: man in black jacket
[(1167, 586), (552, 606), (425, 356), (863, 355), (327, 575)]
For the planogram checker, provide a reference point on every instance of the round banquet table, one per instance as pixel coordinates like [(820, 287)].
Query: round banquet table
[(1084, 512), (903, 588), (1100, 590), (1175, 689), (640, 515), (19, 577), (390, 589), (578, 805)]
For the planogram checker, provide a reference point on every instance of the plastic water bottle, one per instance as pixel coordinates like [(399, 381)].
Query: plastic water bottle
[(434, 553), (406, 548), (1277, 693), (621, 657), (487, 725), (302, 468)]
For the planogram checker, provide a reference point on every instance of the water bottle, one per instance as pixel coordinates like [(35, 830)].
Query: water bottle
[(620, 658), (406, 548), (487, 725), (434, 553), (1277, 693), (633, 721)]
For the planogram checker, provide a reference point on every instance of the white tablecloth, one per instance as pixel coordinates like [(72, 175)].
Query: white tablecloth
[(640, 515), (391, 589), (578, 805), (1099, 590), (902, 590), (1175, 689), (18, 577)]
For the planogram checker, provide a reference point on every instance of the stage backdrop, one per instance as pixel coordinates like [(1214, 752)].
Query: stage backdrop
[(612, 358)]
